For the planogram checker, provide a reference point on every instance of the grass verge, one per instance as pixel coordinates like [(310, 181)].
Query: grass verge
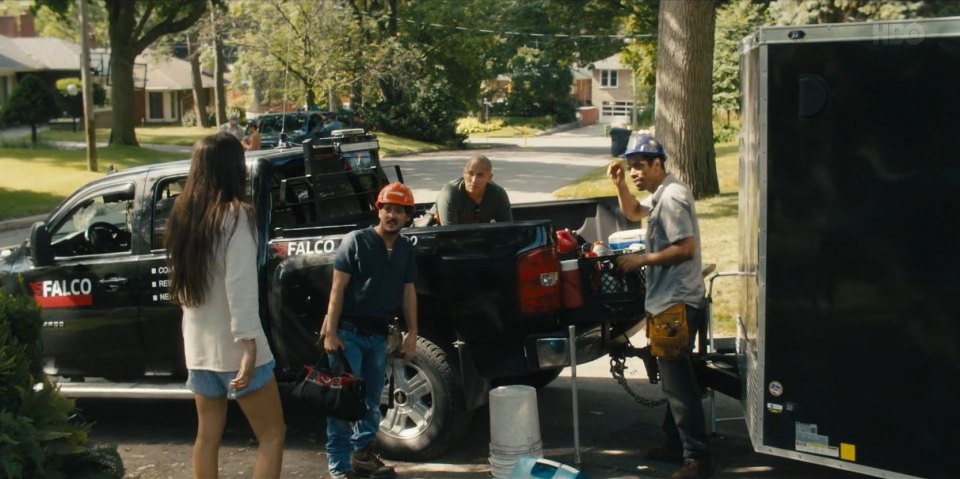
[(718, 227), (37, 179), (155, 135), (517, 127), (395, 145)]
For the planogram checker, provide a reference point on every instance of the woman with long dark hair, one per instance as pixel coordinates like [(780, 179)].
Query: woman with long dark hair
[(212, 249)]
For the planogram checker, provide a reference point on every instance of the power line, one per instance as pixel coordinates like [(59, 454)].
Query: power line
[(529, 34)]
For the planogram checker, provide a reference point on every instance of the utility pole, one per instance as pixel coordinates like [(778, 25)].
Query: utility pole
[(89, 131)]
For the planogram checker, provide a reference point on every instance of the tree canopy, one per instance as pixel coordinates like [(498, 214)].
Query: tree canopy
[(133, 26)]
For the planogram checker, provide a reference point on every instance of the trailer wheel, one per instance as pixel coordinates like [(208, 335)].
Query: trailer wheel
[(428, 413)]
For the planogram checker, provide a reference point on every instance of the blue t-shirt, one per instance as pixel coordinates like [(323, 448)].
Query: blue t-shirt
[(375, 290)]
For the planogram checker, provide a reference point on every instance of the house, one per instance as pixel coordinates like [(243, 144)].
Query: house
[(612, 89), (582, 91), (48, 58), (606, 84), (162, 84)]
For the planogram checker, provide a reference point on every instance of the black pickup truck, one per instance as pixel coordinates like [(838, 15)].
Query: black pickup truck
[(489, 296)]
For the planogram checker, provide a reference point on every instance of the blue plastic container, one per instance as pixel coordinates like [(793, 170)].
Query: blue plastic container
[(539, 468)]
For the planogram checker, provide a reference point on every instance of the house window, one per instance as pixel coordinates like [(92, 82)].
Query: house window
[(156, 105), (608, 78)]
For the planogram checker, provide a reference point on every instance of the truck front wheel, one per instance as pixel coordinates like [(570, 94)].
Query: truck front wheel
[(428, 413)]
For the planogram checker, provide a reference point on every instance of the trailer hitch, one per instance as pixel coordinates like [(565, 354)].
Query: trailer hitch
[(618, 364), (649, 362)]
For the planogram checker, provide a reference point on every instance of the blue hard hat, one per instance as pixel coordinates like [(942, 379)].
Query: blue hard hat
[(644, 145)]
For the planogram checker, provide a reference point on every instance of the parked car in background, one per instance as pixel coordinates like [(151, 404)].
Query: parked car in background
[(296, 125)]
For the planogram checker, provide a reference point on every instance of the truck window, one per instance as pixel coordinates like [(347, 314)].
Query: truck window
[(273, 124), (166, 193), (99, 224)]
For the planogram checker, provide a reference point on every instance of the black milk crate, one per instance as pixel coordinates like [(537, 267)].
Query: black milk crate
[(603, 282)]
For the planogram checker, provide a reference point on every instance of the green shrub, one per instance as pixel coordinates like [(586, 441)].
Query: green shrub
[(40, 435), (468, 125), (425, 110), (189, 118), (32, 102), (99, 94), (724, 133)]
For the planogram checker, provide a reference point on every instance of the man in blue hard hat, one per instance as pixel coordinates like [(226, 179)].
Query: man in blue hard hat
[(675, 288)]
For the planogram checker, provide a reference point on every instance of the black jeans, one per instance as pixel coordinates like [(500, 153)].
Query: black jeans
[(684, 421)]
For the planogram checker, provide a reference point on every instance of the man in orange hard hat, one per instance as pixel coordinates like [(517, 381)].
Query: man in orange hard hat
[(363, 301)]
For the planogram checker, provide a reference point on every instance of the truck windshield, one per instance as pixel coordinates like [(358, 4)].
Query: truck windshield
[(272, 124)]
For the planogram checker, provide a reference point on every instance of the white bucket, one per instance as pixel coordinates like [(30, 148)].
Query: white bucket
[(514, 427)]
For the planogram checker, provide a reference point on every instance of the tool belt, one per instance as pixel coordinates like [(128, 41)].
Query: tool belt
[(668, 333)]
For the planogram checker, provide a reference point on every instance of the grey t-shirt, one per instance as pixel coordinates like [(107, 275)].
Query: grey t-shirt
[(456, 208), (673, 217), (375, 290)]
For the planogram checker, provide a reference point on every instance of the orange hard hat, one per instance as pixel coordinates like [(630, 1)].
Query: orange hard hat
[(395, 193)]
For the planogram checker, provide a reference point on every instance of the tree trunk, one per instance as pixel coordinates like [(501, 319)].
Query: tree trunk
[(199, 93), (33, 134), (391, 93), (311, 97), (121, 92), (122, 56), (257, 95), (684, 93), (219, 65)]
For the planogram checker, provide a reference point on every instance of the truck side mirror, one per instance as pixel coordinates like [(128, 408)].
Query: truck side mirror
[(40, 251)]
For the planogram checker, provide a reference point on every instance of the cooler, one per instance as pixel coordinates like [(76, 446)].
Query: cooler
[(621, 240)]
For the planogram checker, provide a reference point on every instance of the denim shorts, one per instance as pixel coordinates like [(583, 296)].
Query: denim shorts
[(216, 384)]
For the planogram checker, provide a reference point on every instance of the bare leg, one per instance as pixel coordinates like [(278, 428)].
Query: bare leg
[(211, 418), (265, 414)]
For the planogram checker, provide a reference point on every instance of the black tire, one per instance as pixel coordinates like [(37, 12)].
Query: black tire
[(429, 413), (537, 380)]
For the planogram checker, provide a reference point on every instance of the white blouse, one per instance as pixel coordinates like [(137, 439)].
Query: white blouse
[(212, 331)]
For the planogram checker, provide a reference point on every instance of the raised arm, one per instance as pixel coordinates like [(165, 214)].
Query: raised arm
[(632, 209)]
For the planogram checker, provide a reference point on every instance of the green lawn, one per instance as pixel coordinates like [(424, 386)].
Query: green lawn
[(186, 136), (718, 226), (156, 135), (395, 145), (35, 180), (517, 127)]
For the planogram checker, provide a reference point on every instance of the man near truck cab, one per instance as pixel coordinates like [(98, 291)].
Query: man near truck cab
[(674, 282), (474, 198), (373, 277)]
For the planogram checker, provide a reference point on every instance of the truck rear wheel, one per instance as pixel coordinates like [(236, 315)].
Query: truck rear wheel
[(428, 413)]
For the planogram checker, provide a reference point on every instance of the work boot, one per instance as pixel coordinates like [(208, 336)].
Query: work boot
[(694, 469), (666, 453), (367, 463), (344, 475)]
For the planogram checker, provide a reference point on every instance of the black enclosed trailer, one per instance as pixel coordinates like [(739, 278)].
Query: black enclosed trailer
[(849, 331)]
